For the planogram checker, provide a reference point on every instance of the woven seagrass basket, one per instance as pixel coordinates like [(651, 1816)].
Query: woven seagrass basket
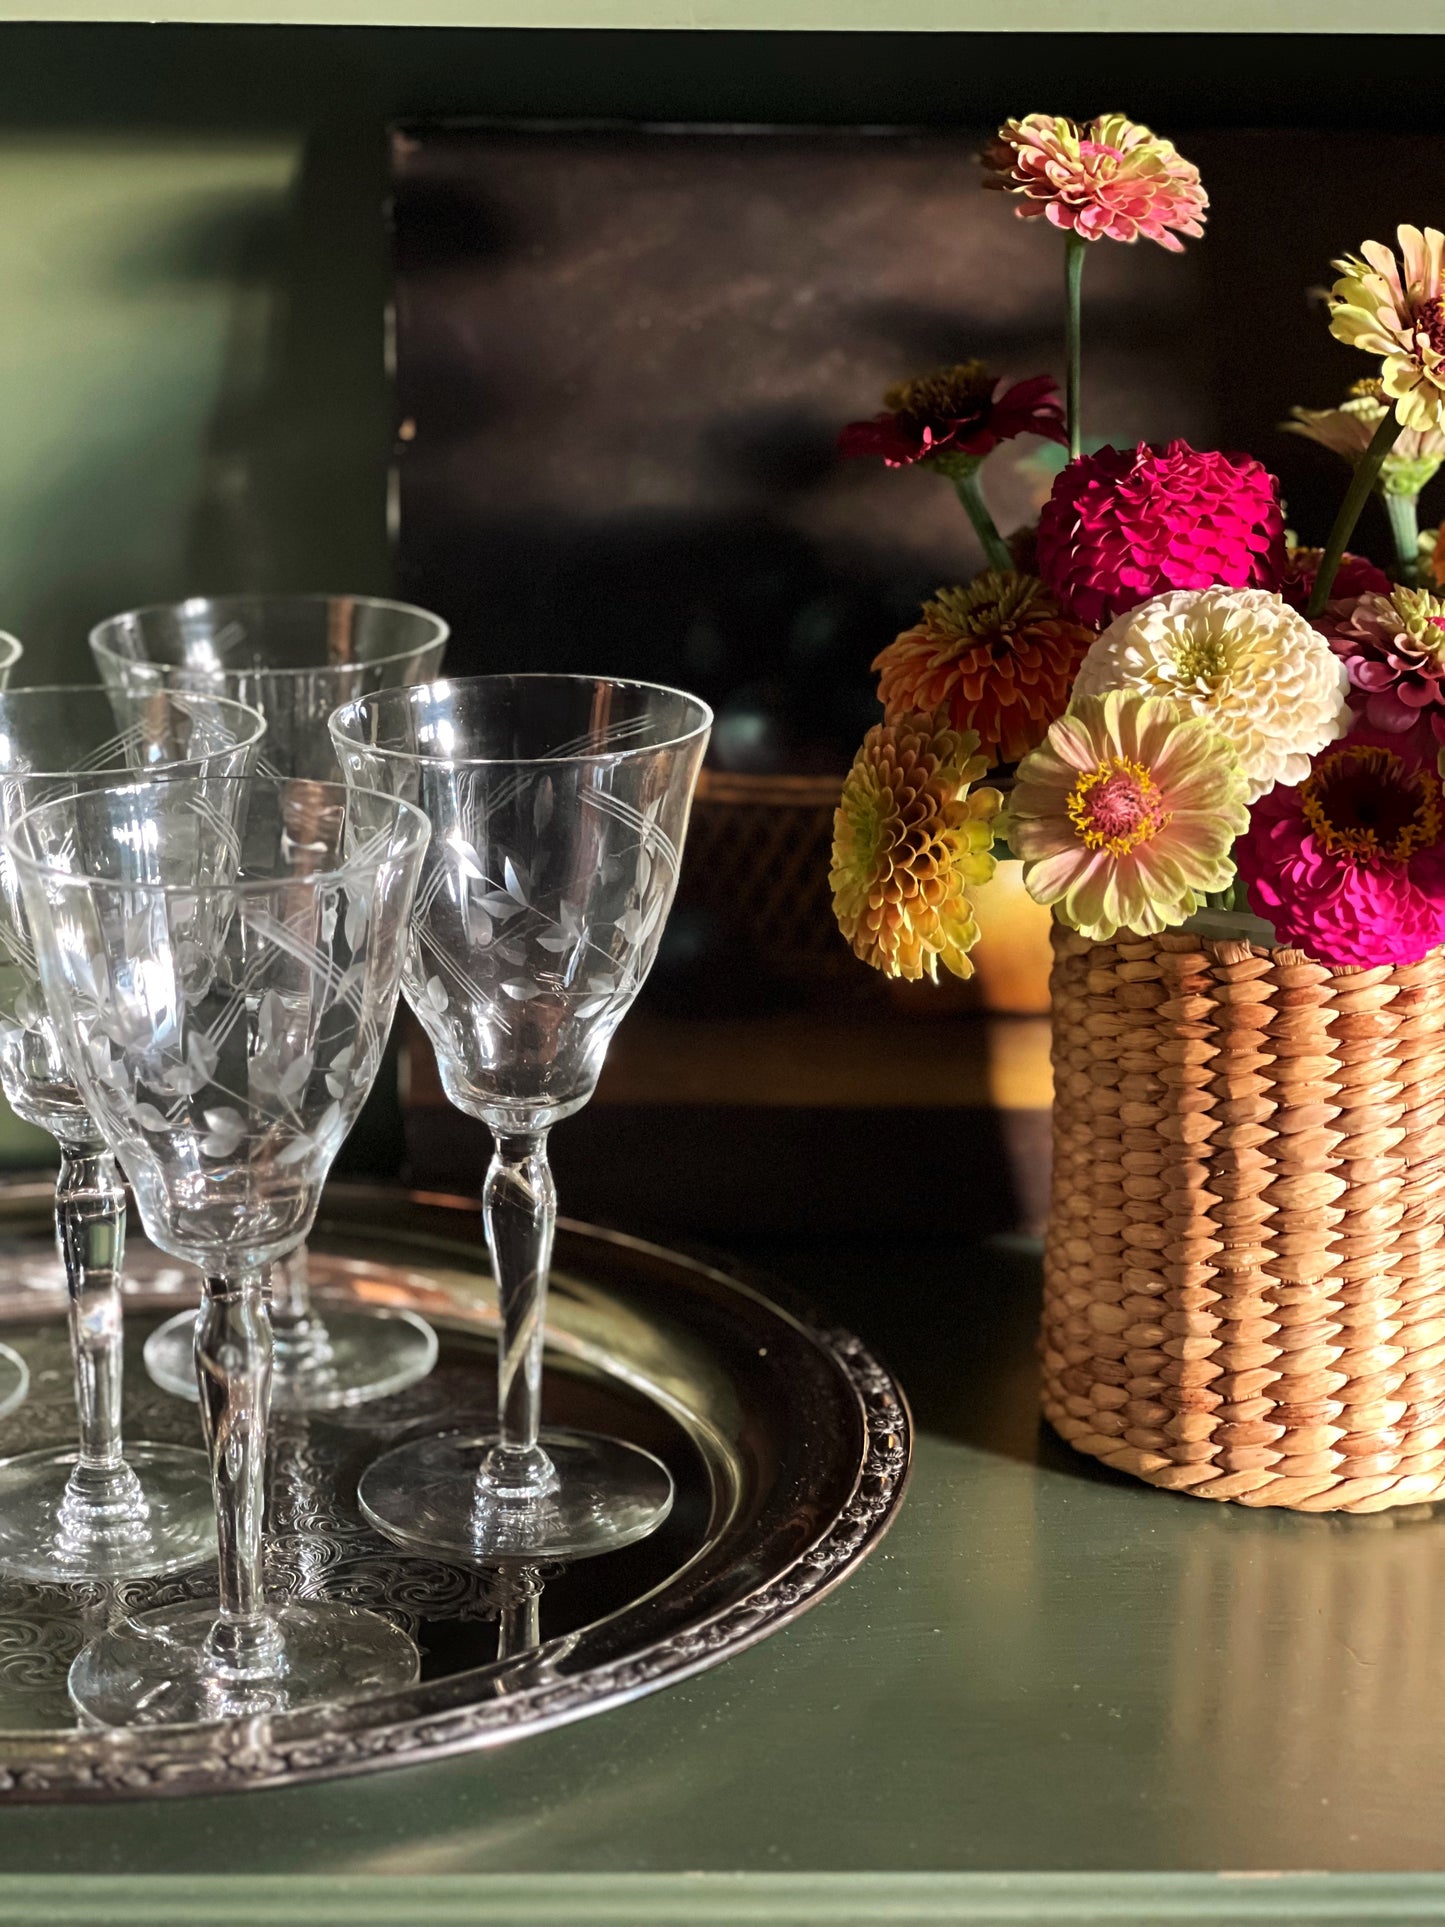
[(1244, 1273)]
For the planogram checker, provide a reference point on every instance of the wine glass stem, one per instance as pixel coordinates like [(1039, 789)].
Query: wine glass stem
[(519, 1209), (101, 1492), (300, 1340), (233, 1374), (519, 1623)]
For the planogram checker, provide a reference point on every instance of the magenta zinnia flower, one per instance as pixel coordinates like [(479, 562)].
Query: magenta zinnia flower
[(1350, 865), (1125, 524), (956, 411), (1394, 649), (1108, 178)]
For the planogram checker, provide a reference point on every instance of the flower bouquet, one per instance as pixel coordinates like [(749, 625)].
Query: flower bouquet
[(1217, 753)]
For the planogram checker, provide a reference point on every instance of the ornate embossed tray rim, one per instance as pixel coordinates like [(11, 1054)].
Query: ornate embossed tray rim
[(750, 1577)]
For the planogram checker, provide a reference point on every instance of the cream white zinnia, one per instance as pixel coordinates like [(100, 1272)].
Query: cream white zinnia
[(1266, 679)]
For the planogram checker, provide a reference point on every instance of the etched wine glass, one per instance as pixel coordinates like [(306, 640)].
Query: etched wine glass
[(295, 658), (558, 807), (14, 1373), (223, 971), (102, 1510)]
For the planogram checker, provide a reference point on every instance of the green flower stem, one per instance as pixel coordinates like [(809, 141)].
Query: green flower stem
[(1403, 511), (970, 493), (1074, 249), (1366, 474)]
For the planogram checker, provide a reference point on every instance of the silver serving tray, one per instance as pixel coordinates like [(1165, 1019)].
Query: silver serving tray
[(788, 1441)]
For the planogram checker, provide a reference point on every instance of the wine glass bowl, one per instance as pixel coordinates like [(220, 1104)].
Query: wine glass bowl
[(222, 962), (297, 658), (558, 806), (293, 657), (100, 1511)]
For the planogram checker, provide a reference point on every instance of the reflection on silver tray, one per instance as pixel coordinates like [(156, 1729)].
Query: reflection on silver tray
[(788, 1442)]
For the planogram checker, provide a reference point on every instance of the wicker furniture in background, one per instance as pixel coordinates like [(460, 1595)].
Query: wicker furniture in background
[(758, 850), (758, 855), (1244, 1273)]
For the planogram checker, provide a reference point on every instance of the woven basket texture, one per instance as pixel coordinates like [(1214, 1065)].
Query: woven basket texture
[(758, 851), (1244, 1272)]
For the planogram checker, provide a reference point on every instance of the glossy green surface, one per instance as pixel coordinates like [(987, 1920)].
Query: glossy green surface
[(1047, 1672)]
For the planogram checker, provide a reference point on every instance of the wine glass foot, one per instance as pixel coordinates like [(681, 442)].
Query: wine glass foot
[(167, 1525), (158, 1668), (14, 1380), (363, 1356), (425, 1497)]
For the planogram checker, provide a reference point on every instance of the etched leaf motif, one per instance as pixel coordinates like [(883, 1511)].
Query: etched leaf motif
[(435, 994), (336, 1071), (294, 1079), (567, 932), (358, 914), (498, 905), (476, 921), (520, 990), (225, 1129), (517, 881), (468, 863), (202, 1053), (305, 1143), (30, 1007), (150, 1119), (542, 805)]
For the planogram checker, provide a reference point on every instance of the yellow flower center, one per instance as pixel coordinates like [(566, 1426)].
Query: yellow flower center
[(1363, 803), (1117, 806), (1200, 659), (961, 393)]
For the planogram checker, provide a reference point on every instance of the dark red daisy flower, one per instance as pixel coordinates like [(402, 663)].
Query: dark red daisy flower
[(956, 411)]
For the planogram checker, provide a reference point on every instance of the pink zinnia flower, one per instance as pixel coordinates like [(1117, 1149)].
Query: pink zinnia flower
[(1105, 178), (1125, 524), (956, 411), (1393, 646), (1350, 865)]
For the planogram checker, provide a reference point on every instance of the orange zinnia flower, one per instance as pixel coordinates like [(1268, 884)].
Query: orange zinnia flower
[(999, 657)]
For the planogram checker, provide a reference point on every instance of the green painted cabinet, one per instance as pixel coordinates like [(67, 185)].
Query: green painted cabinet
[(1053, 1695)]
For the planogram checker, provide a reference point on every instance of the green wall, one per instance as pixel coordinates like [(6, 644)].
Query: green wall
[(193, 264)]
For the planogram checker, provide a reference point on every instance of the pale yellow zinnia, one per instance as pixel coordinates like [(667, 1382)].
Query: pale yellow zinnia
[(1348, 430), (1126, 815), (1396, 310)]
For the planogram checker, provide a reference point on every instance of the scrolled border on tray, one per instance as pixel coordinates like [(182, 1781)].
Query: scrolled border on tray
[(434, 1720)]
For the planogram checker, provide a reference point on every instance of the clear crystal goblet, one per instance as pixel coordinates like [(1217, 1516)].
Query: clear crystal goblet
[(14, 1380), (558, 807), (222, 976), (296, 658), (103, 1510)]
